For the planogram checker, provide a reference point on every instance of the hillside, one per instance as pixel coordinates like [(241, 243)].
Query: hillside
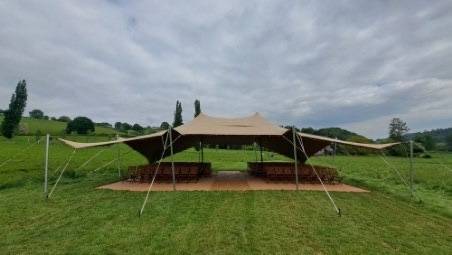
[(336, 132), (439, 135), (29, 126)]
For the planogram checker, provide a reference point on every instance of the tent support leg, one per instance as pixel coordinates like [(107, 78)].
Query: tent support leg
[(172, 159), (202, 152), (294, 141), (119, 161), (260, 148), (255, 154), (46, 166), (199, 152), (411, 169), (335, 151)]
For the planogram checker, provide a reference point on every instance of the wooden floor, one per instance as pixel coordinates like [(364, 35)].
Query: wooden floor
[(229, 181)]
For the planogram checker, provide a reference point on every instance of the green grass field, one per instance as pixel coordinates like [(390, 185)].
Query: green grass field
[(31, 126), (80, 219)]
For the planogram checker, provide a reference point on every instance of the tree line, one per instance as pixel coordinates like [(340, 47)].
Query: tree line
[(79, 125), (398, 129)]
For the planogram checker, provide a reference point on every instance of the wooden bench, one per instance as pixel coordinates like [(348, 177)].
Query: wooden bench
[(285, 171), (184, 172)]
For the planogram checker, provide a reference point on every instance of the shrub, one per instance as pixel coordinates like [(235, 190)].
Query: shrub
[(80, 125)]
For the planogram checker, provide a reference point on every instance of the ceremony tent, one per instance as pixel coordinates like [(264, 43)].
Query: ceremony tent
[(205, 129)]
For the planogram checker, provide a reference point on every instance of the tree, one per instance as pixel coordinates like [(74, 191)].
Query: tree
[(137, 127), (118, 125), (125, 126), (178, 115), (165, 125), (308, 130), (36, 114), (64, 119), (16, 108), (197, 107), (80, 125), (449, 142), (397, 128), (426, 140)]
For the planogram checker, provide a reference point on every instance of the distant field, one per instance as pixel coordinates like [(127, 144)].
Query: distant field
[(54, 127), (81, 219)]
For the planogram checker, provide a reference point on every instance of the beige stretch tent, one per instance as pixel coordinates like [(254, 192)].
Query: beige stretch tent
[(230, 131)]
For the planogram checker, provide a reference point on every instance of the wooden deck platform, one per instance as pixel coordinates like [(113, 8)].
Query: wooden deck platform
[(229, 181)]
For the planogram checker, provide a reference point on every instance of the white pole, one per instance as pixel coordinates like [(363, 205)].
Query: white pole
[(411, 168), (172, 159), (335, 149), (202, 152), (255, 153), (199, 152), (46, 165), (119, 157), (119, 161), (295, 155)]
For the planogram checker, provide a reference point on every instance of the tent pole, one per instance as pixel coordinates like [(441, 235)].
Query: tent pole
[(411, 168), (202, 152), (255, 154), (199, 153), (46, 166), (335, 149), (119, 161), (260, 148), (295, 155), (172, 159), (118, 155)]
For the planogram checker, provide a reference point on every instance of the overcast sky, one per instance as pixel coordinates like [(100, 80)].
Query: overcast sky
[(352, 64)]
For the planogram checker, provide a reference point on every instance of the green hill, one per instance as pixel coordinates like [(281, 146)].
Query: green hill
[(30, 126), (335, 132), (439, 135)]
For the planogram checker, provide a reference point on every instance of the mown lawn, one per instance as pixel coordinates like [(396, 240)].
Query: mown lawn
[(80, 219)]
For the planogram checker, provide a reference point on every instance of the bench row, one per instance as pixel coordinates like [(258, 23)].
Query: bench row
[(184, 171), (285, 171)]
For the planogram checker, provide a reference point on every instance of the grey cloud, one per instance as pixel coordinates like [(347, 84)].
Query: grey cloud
[(308, 63)]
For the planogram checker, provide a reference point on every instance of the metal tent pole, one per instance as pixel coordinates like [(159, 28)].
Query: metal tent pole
[(202, 152), (335, 150), (411, 168), (255, 153), (119, 161), (199, 152), (172, 159), (295, 155), (46, 166), (260, 148)]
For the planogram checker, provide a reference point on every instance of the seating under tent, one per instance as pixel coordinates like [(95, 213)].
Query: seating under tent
[(285, 171), (193, 171), (184, 172)]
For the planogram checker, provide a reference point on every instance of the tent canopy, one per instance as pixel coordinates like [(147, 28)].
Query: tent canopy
[(229, 131)]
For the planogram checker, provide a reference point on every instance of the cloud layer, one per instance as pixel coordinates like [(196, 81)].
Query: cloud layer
[(310, 63)]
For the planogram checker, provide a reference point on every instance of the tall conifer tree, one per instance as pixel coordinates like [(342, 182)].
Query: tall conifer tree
[(178, 115), (16, 108), (197, 107)]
